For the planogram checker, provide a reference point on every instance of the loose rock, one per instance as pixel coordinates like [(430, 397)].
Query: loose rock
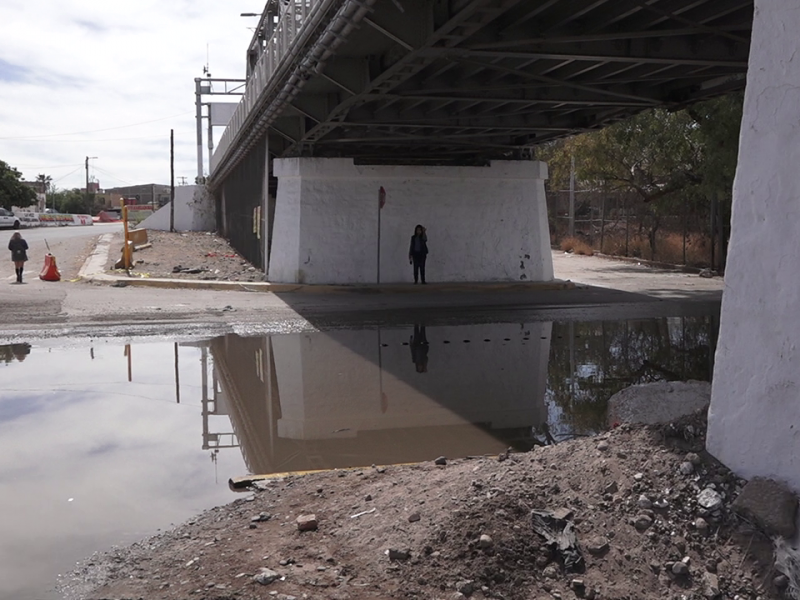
[(413, 517), (440, 461), (265, 576), (680, 569), (642, 521), (686, 468), (307, 523), (644, 502), (710, 584), (709, 499), (395, 554), (466, 587), (485, 542), (550, 572), (597, 545)]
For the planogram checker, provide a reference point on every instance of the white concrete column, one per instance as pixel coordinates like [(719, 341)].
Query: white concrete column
[(754, 418), (484, 223)]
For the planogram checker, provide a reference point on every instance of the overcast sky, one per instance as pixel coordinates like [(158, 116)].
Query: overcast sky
[(110, 78)]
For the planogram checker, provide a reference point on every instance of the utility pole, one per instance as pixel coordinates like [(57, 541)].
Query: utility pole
[(572, 197), (172, 180), (198, 104), (86, 164)]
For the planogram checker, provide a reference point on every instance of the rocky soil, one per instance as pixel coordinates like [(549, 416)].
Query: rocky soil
[(650, 511), (188, 255)]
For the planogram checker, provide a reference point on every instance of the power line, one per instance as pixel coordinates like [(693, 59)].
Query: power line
[(54, 181), (146, 137), (28, 137), (96, 168)]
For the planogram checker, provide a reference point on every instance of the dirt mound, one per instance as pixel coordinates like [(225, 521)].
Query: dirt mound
[(188, 255), (650, 513)]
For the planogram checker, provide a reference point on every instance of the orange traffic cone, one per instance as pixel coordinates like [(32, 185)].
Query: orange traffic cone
[(50, 270)]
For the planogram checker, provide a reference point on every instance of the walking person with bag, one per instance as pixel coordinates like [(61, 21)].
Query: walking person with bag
[(19, 253), (418, 252)]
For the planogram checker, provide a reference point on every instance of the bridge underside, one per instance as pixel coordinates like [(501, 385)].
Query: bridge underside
[(462, 82)]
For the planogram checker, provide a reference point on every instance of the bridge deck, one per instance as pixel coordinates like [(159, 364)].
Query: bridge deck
[(464, 81)]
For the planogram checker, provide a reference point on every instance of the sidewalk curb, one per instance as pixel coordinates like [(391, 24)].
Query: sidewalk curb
[(276, 288), (93, 270)]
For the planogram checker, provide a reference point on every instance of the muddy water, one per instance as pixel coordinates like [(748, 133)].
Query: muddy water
[(105, 444)]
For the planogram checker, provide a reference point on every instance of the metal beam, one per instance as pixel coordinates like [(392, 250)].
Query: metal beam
[(566, 56), (591, 37)]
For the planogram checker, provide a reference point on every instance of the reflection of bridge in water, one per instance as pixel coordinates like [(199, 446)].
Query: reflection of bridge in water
[(357, 397), (353, 398)]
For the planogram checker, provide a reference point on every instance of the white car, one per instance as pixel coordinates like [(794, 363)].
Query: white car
[(7, 219)]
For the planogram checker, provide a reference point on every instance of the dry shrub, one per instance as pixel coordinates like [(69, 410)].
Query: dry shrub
[(576, 246)]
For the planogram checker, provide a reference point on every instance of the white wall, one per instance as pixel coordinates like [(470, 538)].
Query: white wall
[(484, 223), (331, 385), (754, 418), (194, 211)]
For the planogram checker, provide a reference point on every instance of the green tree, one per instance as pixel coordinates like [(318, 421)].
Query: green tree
[(12, 191), (685, 157), (71, 201)]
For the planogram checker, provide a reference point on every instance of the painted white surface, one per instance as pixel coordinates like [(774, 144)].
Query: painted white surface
[(754, 418), (194, 211), (331, 386), (484, 223)]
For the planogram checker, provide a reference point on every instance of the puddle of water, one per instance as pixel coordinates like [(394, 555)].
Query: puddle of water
[(105, 445)]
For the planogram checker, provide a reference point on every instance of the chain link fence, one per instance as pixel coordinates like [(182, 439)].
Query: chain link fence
[(622, 224)]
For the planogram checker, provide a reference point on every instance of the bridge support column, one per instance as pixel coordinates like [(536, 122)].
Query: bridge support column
[(484, 223), (754, 418)]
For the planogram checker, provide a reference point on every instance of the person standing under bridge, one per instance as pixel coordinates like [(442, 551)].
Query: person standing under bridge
[(418, 252)]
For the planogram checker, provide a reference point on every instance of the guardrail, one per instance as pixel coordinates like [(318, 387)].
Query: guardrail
[(280, 46)]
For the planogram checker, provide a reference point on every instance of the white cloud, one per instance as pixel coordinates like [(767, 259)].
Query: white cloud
[(124, 67)]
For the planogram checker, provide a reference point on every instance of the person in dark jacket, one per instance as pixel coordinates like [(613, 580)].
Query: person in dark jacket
[(418, 252), (19, 253)]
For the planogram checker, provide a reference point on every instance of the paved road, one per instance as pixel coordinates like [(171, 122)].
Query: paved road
[(76, 309), (69, 245)]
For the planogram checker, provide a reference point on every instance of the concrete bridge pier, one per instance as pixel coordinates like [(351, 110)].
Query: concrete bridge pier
[(484, 223), (754, 419)]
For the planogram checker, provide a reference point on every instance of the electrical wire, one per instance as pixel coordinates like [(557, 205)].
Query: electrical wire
[(96, 168), (89, 141), (30, 137)]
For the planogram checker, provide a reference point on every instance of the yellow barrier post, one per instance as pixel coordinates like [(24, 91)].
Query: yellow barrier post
[(126, 248)]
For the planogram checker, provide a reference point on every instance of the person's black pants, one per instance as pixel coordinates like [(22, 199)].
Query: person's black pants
[(419, 266)]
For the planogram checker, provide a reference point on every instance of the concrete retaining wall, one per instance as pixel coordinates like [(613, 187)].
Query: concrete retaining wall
[(53, 220), (484, 223), (194, 211)]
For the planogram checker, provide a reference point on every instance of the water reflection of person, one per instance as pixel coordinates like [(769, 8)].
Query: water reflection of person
[(419, 349)]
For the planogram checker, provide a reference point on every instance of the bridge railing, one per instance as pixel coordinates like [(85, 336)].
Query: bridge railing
[(287, 25)]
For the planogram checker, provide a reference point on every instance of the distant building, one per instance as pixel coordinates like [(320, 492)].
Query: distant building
[(108, 200), (40, 188), (150, 193)]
